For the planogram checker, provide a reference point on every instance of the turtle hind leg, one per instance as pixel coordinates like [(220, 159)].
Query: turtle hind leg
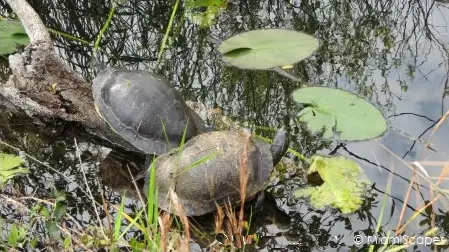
[(256, 204), (146, 168)]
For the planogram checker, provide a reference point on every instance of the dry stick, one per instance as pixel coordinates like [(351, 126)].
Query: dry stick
[(401, 230), (436, 127), (164, 223), (432, 214), (243, 183), (405, 200), (432, 185), (88, 189), (105, 208), (137, 189), (444, 173), (183, 217), (409, 166)]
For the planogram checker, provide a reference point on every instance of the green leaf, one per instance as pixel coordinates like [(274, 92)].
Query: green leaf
[(343, 187), (204, 18), (267, 48), (118, 220), (67, 242), (8, 161), (44, 212), (60, 196), (52, 229), (10, 167), (351, 116), (60, 211), (13, 236), (204, 3), (33, 242), (136, 245), (12, 34)]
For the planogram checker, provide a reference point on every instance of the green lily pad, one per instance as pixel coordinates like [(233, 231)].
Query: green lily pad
[(267, 48), (334, 109), (12, 34), (10, 166), (343, 187)]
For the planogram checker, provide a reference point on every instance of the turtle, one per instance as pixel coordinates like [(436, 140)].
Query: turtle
[(205, 172), (144, 109)]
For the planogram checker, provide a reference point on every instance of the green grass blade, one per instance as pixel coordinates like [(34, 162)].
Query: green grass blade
[(69, 36), (104, 28), (183, 139), (199, 161), (151, 200), (170, 23), (384, 204), (133, 222), (184, 133), (165, 134), (118, 219)]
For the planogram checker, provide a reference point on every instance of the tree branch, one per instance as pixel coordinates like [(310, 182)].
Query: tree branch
[(31, 21)]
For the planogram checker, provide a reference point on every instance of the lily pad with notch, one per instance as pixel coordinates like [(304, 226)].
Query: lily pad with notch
[(267, 48), (339, 111)]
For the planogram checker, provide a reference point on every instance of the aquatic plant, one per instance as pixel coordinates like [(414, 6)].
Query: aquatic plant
[(12, 35), (10, 166)]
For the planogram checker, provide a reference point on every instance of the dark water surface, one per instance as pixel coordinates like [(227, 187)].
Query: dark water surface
[(393, 53)]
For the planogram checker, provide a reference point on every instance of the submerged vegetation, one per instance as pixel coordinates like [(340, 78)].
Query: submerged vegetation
[(12, 35)]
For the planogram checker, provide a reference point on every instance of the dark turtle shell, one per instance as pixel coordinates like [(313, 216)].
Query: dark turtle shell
[(207, 171), (144, 109)]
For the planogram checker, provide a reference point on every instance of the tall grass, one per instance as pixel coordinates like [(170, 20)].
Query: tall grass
[(167, 31)]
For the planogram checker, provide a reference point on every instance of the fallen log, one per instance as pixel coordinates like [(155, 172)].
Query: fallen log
[(44, 87)]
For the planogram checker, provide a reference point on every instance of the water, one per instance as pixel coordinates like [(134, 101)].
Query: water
[(392, 53)]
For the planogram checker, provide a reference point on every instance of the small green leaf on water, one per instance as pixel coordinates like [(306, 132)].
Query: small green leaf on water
[(207, 17), (343, 187), (12, 34), (351, 116), (267, 48), (10, 167)]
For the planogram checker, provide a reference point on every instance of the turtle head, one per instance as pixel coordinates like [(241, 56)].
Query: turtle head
[(279, 146)]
